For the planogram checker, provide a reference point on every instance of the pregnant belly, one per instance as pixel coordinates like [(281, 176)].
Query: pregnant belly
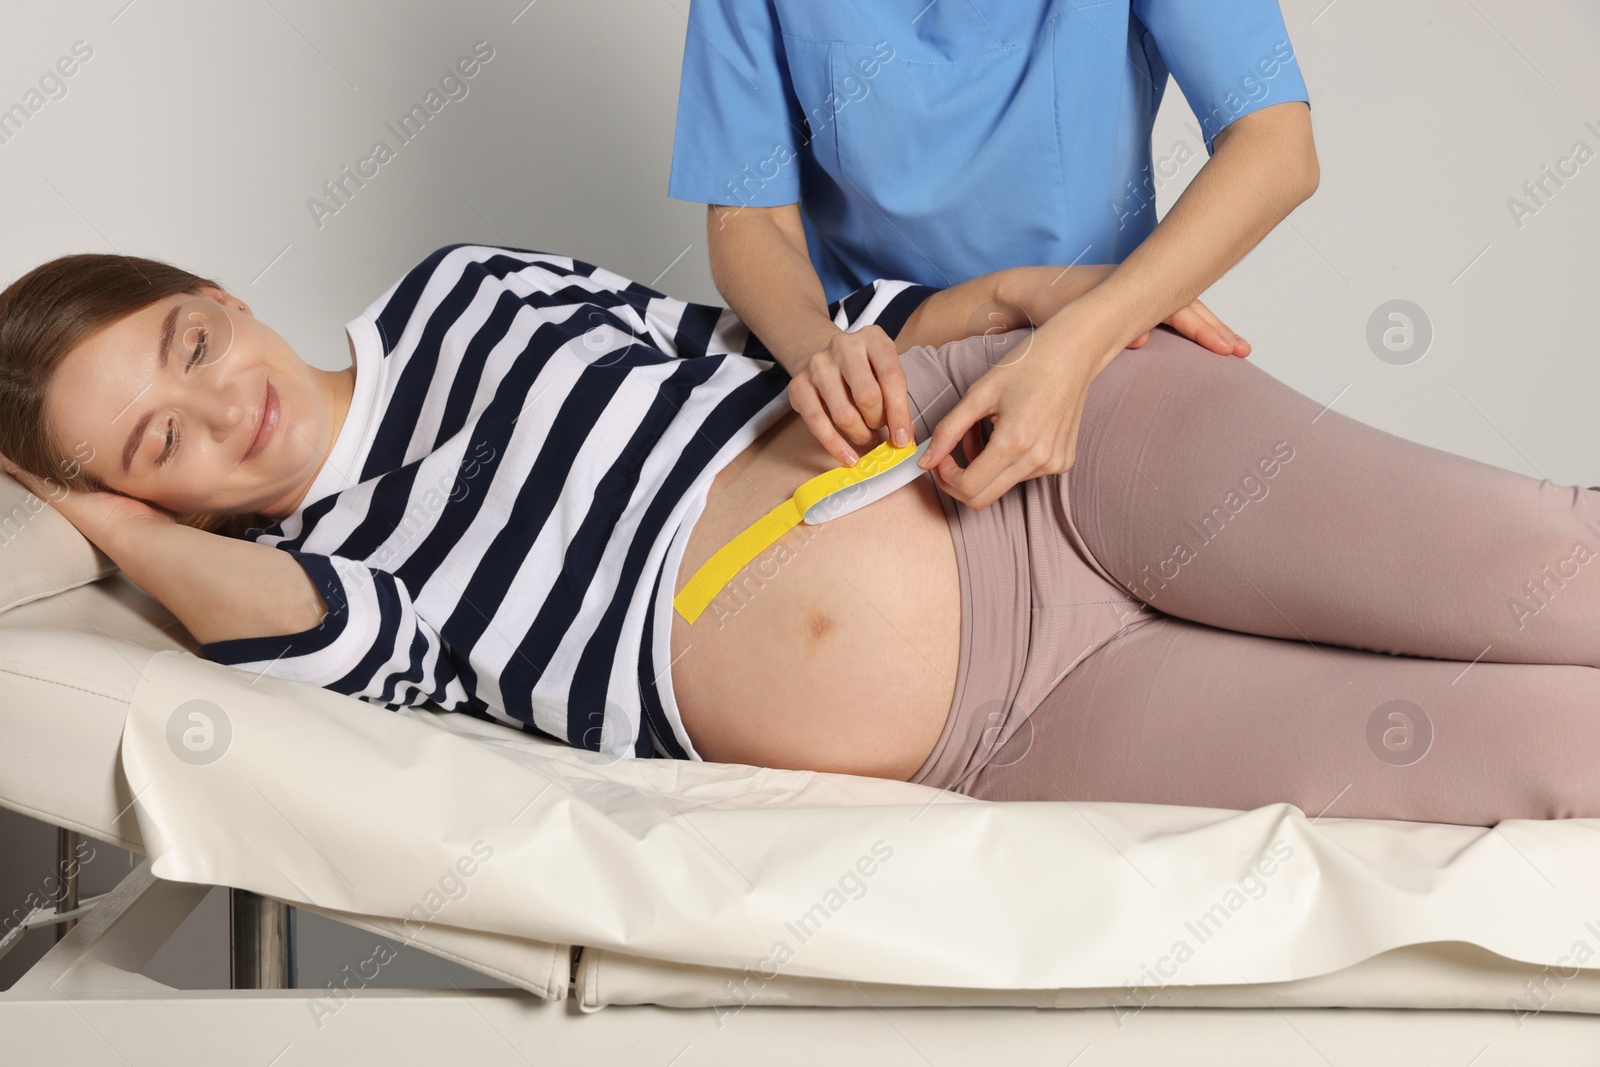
[(835, 649)]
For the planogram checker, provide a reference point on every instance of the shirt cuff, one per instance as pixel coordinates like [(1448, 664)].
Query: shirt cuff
[(750, 192), (314, 639)]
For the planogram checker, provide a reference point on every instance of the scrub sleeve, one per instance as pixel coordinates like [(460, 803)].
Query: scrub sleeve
[(938, 142)]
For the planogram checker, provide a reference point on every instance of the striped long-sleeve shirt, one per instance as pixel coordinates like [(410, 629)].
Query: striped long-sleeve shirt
[(496, 527)]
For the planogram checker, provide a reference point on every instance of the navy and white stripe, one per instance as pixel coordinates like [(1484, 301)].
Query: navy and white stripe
[(496, 545)]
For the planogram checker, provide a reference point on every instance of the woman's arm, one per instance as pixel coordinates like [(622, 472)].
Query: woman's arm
[(218, 587)]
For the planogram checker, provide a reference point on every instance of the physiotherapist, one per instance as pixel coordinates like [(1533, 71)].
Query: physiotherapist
[(835, 143)]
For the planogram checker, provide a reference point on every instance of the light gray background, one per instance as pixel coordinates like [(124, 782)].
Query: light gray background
[(197, 133)]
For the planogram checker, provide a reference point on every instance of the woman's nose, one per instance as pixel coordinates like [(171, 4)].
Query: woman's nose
[(228, 408)]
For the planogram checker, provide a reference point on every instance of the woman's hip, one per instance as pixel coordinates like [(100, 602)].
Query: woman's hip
[(1033, 603)]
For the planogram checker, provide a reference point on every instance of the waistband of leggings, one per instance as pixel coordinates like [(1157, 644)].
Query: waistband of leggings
[(992, 561)]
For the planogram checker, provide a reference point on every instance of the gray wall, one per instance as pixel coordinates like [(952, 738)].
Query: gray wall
[(198, 132)]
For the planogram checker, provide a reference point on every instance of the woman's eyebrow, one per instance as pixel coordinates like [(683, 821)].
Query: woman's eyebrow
[(169, 326)]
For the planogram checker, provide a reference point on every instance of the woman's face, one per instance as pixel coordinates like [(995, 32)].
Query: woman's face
[(165, 405)]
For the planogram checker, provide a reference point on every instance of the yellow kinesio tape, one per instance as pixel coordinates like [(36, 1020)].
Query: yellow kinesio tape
[(827, 496)]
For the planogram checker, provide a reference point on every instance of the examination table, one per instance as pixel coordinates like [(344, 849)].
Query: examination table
[(796, 915)]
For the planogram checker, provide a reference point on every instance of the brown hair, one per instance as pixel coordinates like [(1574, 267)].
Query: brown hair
[(47, 313)]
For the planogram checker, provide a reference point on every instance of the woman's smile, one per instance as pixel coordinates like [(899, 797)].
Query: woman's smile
[(267, 425)]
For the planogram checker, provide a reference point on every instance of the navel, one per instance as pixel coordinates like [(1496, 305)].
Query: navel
[(818, 625)]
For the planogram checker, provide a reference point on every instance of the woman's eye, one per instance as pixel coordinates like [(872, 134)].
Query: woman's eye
[(166, 453), (199, 349)]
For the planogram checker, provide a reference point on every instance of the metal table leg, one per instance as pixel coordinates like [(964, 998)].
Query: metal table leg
[(261, 942)]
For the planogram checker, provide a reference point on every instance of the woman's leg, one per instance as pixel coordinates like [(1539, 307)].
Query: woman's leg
[(1174, 712), (1216, 493), (1210, 490)]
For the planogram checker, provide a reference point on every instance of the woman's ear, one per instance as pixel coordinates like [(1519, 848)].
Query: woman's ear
[(225, 298)]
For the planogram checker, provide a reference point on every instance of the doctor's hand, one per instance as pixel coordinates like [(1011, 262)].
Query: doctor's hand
[(1034, 399), (849, 389), (1200, 324)]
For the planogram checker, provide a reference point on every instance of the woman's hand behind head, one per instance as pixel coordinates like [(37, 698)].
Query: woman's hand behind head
[(95, 514)]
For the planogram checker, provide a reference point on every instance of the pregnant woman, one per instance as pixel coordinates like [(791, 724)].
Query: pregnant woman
[(1235, 597)]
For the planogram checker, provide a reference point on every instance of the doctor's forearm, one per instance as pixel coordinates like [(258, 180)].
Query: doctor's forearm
[(1264, 166), (1001, 300), (760, 266)]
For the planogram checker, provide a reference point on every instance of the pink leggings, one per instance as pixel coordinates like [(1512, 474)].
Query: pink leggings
[(1237, 597)]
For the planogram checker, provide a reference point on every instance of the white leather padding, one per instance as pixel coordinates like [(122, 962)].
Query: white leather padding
[(69, 665)]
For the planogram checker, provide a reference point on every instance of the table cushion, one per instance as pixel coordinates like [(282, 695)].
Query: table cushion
[(44, 553)]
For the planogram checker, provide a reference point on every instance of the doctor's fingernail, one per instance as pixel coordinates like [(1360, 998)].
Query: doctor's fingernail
[(901, 436), (849, 458)]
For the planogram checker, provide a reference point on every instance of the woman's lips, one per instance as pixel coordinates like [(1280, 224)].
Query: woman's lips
[(268, 425)]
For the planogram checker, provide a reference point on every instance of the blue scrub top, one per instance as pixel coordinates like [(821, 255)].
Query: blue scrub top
[(937, 141)]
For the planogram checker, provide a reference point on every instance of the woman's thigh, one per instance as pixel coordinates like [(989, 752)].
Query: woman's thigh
[(1216, 493), (1175, 712)]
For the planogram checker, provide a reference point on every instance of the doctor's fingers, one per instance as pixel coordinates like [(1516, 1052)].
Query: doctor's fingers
[(1003, 464), (836, 392), (878, 384), (1021, 446), (1202, 326), (866, 360), (1208, 316), (824, 373), (808, 403)]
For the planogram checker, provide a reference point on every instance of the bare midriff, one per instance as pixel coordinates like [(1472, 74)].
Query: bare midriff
[(835, 649)]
